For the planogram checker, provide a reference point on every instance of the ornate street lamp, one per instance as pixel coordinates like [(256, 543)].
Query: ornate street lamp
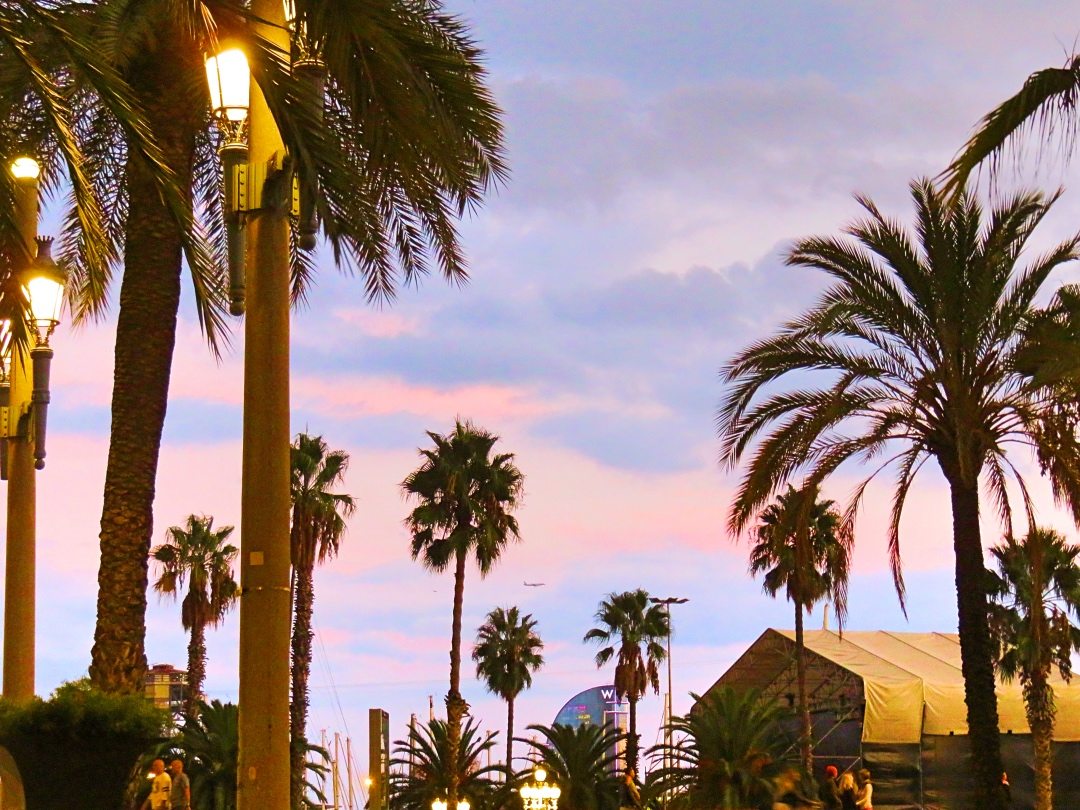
[(229, 79), (43, 284), (308, 65), (442, 804), (539, 794)]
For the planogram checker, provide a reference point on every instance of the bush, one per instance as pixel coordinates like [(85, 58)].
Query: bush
[(79, 748)]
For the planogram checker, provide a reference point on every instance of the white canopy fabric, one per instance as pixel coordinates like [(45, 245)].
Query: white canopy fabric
[(913, 685)]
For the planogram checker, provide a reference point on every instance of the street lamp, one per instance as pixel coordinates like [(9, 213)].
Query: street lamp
[(667, 602), (229, 80), (442, 804), (24, 377), (539, 794), (309, 66)]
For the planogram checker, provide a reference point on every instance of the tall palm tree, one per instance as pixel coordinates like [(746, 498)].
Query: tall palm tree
[(465, 499), (404, 137), (725, 753), (909, 357), (318, 524), (507, 653), (633, 632), (1032, 594), (581, 760), (424, 768), (803, 549), (202, 556), (1047, 101)]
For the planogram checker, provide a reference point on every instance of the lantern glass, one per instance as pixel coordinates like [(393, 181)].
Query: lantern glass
[(290, 12), (229, 79), (25, 168), (46, 295)]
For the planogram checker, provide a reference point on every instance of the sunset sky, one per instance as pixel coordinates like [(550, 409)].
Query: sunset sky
[(663, 154)]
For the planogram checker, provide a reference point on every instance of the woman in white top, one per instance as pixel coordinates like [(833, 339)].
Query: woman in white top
[(864, 797)]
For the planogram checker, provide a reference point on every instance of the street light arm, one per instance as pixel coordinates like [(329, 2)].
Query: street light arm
[(41, 358)]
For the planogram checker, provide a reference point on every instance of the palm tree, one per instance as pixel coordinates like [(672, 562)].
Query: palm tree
[(1047, 101), (725, 753), (318, 524), (424, 768), (403, 139), (210, 745), (1033, 593), (581, 760), (507, 653), (201, 556), (465, 498), (912, 351), (803, 548), (633, 632)]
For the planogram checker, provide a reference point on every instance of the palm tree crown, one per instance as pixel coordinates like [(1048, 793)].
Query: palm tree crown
[(581, 761), (724, 753), (807, 564), (199, 555), (423, 767), (632, 631), (914, 348), (507, 652)]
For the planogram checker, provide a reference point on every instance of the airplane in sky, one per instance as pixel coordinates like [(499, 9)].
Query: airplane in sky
[(533, 584)]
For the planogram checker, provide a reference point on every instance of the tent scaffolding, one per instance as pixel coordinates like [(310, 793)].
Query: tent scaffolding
[(894, 703)]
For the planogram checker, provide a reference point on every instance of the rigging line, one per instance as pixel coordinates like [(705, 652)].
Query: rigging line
[(333, 686)]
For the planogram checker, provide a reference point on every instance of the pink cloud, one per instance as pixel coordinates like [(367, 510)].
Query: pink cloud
[(377, 323)]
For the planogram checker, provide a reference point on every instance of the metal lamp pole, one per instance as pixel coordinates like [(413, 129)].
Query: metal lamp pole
[(23, 431), (667, 602)]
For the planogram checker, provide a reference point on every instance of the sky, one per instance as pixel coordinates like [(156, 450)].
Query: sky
[(664, 154)]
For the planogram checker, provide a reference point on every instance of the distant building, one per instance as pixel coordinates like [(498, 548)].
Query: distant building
[(166, 686), (598, 706)]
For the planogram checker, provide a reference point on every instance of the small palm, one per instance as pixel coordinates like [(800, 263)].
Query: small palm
[(506, 653), (632, 631), (200, 556)]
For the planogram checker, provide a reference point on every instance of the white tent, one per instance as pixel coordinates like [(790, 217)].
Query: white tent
[(911, 683)]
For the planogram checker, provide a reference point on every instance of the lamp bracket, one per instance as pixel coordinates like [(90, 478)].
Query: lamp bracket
[(250, 191)]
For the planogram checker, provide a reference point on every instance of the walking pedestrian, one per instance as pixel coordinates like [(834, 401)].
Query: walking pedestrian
[(159, 788), (180, 793), (864, 799)]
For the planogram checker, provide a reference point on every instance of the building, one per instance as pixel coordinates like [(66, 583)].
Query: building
[(599, 707), (166, 686), (894, 703)]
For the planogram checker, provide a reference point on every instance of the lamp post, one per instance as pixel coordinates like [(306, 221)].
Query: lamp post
[(442, 804), (667, 602), (22, 426), (540, 794), (263, 767)]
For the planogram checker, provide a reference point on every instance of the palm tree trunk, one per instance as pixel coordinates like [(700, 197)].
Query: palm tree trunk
[(456, 707), (1039, 703), (145, 338), (805, 746), (975, 649), (510, 739), (632, 739), (301, 671), (196, 670)]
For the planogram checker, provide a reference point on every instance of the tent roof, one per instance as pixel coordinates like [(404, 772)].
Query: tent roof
[(912, 682)]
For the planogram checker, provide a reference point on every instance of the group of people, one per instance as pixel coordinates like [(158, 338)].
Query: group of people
[(170, 789), (846, 791)]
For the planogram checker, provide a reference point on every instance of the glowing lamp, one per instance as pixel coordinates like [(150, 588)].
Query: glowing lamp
[(229, 79)]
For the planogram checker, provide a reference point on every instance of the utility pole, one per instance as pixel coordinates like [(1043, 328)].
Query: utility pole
[(667, 602), (264, 509), (20, 575)]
